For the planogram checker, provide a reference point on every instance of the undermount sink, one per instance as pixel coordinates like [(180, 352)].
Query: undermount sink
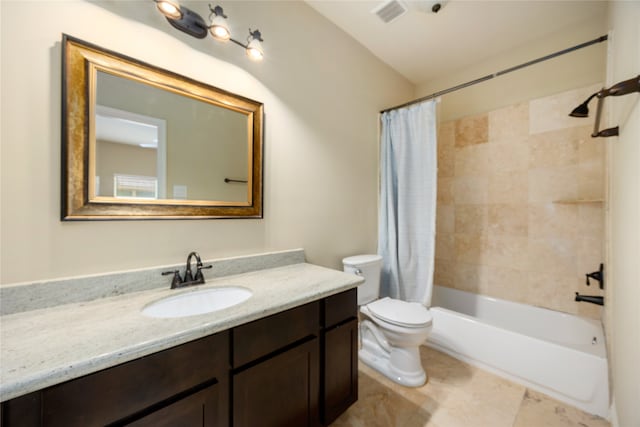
[(197, 302)]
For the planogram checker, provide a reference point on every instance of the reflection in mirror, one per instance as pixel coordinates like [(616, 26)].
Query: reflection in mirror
[(206, 143), (142, 142), (130, 155)]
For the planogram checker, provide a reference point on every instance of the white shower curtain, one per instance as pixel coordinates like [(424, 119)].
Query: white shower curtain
[(406, 229)]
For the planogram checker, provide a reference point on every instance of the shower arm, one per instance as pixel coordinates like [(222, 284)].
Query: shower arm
[(622, 88)]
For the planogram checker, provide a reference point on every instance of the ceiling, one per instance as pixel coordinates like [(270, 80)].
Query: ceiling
[(422, 45)]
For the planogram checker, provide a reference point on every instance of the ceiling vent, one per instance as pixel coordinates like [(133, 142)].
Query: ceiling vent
[(390, 10)]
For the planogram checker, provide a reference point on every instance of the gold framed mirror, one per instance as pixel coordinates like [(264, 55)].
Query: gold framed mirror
[(141, 142)]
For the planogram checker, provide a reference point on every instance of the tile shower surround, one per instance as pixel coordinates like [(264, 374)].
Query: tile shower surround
[(499, 229)]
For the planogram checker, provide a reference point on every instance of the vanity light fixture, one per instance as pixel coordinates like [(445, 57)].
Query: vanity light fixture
[(188, 21)]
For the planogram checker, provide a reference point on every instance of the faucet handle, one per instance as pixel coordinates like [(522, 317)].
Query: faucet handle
[(199, 275), (176, 281)]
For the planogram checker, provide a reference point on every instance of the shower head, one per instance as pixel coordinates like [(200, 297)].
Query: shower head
[(582, 110)]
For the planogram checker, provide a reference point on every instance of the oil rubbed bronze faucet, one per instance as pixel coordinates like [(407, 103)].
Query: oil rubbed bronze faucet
[(189, 279)]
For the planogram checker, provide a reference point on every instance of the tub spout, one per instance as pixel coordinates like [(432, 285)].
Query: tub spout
[(590, 298)]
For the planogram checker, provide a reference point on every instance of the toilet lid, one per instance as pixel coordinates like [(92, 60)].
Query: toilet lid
[(401, 313)]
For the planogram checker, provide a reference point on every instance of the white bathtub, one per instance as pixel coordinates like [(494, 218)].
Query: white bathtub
[(558, 354)]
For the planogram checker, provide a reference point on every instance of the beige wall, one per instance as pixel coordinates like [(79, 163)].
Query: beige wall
[(321, 139), (520, 212), (623, 216), (570, 71)]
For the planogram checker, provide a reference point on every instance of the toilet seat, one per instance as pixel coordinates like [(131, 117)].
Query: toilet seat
[(400, 313)]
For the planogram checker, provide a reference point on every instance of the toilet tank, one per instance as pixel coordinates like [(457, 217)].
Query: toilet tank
[(367, 266)]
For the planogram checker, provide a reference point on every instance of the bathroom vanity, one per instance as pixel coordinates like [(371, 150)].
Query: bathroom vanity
[(291, 367)]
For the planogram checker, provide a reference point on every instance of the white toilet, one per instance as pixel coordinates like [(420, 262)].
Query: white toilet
[(391, 330)]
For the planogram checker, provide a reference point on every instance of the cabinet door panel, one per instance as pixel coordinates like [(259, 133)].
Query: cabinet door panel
[(199, 409), (281, 391), (340, 372)]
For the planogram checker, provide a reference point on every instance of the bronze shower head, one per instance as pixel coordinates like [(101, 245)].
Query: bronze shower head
[(582, 110)]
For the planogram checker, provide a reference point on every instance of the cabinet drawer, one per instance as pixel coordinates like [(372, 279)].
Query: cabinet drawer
[(261, 337), (340, 307), (112, 394)]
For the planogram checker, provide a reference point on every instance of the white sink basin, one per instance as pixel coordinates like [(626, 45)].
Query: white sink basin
[(197, 302)]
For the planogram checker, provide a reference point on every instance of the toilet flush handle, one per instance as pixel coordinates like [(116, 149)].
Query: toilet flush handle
[(357, 272)]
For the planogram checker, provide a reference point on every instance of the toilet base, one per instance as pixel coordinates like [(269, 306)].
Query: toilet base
[(375, 357)]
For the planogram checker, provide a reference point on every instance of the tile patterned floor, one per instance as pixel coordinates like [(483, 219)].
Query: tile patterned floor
[(456, 395)]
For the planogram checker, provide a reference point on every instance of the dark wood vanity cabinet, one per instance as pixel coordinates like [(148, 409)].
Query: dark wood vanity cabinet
[(339, 354), (188, 382), (294, 368), (276, 370)]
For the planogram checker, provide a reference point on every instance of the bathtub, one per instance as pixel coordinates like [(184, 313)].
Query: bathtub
[(558, 354)]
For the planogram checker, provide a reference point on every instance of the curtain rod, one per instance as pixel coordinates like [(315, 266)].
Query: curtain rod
[(496, 74)]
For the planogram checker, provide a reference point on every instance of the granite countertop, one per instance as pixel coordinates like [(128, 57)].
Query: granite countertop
[(40, 348)]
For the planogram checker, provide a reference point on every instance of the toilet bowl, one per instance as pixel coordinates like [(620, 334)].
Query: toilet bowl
[(391, 330)]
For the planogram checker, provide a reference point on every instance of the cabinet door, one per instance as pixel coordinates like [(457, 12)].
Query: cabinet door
[(201, 409), (280, 391), (340, 372)]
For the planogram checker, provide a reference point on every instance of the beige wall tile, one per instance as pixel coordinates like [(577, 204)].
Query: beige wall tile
[(471, 219), (472, 160), (444, 271), (552, 149), (471, 278), (446, 150), (555, 255), (472, 130), (469, 248), (549, 184), (445, 191), (553, 219), (510, 123), (508, 156), (508, 219), (507, 283), (552, 290), (446, 133), (591, 148), (591, 220), (508, 188), (591, 180), (445, 246), (497, 225), (468, 190), (445, 218), (552, 112), (506, 251)]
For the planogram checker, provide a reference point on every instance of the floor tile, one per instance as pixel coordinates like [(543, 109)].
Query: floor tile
[(538, 409), (456, 395)]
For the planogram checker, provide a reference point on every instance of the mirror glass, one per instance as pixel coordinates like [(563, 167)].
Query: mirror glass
[(154, 144)]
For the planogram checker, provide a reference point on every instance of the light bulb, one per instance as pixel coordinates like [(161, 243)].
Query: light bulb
[(219, 29), (254, 50), (169, 8)]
